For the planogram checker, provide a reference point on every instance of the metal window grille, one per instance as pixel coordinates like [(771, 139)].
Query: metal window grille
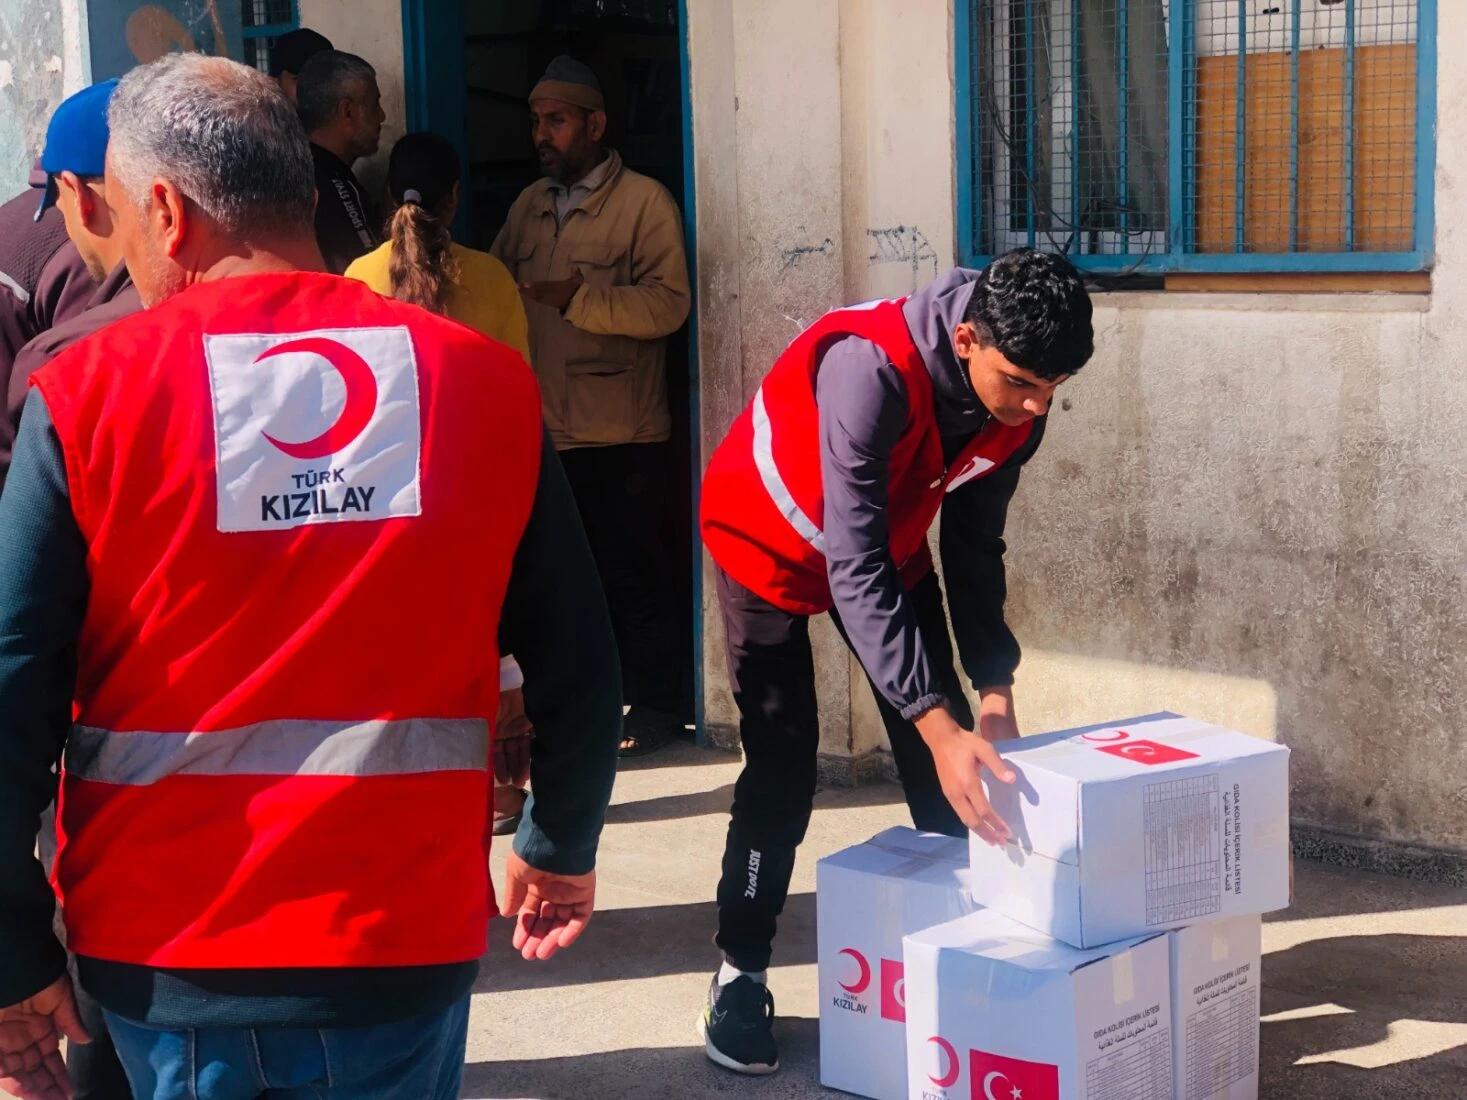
[(265, 21), (1199, 135)]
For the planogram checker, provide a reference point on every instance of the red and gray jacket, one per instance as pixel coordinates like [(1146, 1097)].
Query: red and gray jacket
[(823, 493)]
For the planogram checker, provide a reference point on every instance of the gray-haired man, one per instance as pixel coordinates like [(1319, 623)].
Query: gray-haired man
[(260, 623)]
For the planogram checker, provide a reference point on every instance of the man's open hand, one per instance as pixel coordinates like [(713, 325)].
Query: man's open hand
[(31, 1066), (960, 756), (550, 911)]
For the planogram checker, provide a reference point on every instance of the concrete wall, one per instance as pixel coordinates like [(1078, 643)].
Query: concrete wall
[(43, 59), (371, 29), (1248, 508)]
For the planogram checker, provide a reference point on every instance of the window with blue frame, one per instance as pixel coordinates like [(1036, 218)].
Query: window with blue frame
[(1155, 136), (265, 21)]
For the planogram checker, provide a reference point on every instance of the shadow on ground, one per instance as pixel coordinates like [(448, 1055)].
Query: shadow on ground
[(1383, 983), (671, 807), (652, 1072), (648, 942), (674, 807), (1329, 891)]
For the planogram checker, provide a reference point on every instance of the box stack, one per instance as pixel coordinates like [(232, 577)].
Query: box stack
[(1115, 954)]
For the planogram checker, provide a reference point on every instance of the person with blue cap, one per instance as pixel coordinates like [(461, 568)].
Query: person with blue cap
[(76, 147), (72, 163), (43, 279)]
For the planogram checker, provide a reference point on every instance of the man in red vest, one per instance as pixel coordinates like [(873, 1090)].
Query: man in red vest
[(819, 500), (258, 551)]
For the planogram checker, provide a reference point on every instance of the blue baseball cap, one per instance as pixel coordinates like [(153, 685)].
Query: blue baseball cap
[(76, 139)]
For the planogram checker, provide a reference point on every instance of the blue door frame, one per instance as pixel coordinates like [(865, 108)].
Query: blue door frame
[(434, 81)]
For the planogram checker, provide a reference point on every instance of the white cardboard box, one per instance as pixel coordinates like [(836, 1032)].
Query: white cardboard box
[(1135, 827), (1215, 1005), (866, 899), (998, 1011)]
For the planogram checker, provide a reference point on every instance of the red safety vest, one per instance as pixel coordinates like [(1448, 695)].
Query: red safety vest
[(763, 512), (301, 502)]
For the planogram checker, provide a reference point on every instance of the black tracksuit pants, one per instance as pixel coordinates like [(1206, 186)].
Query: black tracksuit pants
[(772, 672)]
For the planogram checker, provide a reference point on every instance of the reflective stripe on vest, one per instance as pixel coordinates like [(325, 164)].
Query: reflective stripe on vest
[(283, 747), (774, 484)]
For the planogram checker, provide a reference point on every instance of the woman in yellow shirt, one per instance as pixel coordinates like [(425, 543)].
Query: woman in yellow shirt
[(421, 264)]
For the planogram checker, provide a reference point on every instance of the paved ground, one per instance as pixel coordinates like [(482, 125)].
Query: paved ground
[(1365, 978)]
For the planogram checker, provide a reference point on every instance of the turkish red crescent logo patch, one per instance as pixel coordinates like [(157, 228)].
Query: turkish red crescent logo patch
[(320, 426), (863, 972), (948, 1066), (356, 412)]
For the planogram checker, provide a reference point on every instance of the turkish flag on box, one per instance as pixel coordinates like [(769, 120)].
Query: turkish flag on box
[(995, 1077), (893, 992)]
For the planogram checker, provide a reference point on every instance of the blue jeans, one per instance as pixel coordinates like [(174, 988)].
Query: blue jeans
[(417, 1059)]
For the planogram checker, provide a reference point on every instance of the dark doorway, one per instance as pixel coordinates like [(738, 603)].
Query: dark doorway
[(634, 48)]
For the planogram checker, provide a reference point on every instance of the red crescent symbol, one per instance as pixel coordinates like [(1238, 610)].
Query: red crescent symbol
[(949, 1077), (361, 396), (1120, 735), (864, 980)]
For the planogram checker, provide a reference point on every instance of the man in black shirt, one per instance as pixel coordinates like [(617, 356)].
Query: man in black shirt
[(341, 109)]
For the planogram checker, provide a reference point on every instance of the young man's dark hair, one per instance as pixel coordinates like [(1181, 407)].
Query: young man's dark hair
[(1032, 306)]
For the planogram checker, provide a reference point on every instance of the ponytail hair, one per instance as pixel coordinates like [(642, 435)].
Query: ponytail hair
[(421, 175)]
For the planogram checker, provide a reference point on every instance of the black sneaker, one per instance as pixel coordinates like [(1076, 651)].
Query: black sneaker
[(737, 1027)]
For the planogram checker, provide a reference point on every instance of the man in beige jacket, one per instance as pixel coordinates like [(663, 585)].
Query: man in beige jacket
[(598, 253)]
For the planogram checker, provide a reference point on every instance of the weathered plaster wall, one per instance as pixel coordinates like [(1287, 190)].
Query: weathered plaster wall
[(43, 59)]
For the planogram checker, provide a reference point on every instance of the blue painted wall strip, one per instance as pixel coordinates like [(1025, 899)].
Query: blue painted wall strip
[(1349, 109), (1294, 44), (1254, 262), (690, 233), (1426, 106), (965, 73)]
